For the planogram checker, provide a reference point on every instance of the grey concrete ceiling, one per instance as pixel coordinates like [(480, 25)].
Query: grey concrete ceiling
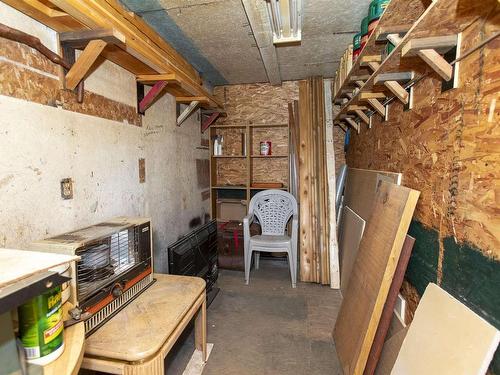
[(215, 36)]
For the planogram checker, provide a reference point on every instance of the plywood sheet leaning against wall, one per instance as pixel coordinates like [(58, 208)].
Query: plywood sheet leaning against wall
[(446, 338), (313, 184), (351, 231), (372, 274), (360, 187)]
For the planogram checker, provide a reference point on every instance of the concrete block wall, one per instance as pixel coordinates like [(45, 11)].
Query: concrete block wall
[(46, 136)]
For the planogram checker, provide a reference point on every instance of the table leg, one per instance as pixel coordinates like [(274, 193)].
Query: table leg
[(200, 331)]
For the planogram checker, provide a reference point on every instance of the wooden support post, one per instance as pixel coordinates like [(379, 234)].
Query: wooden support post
[(187, 112), (398, 91), (84, 62), (152, 96), (353, 123), (377, 106)]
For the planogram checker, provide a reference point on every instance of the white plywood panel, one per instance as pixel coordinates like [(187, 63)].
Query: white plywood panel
[(16, 265), (446, 338)]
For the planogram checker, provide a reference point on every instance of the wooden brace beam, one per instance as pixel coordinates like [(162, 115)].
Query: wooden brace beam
[(81, 68), (430, 50), (353, 123), (362, 116), (152, 95), (398, 91), (373, 62), (187, 112), (377, 106), (209, 121)]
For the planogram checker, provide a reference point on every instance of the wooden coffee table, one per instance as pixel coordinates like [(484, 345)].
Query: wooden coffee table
[(138, 338)]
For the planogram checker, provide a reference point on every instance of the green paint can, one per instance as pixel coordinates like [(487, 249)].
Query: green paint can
[(356, 46), (41, 327), (375, 11), (364, 32)]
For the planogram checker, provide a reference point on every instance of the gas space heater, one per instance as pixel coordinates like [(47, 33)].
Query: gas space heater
[(115, 266)]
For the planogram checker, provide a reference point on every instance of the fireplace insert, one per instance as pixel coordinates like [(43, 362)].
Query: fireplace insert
[(195, 254)]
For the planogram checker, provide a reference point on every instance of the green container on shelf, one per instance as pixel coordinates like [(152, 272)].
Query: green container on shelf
[(364, 32), (376, 9), (41, 327), (388, 48), (356, 46)]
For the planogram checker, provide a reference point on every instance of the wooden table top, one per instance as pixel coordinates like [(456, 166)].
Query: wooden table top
[(139, 330)]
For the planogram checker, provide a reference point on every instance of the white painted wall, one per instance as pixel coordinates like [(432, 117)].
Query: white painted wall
[(40, 145)]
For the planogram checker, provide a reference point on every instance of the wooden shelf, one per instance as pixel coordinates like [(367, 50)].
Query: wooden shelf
[(269, 156), (436, 14), (229, 156), (269, 125), (235, 187), (390, 20), (281, 188)]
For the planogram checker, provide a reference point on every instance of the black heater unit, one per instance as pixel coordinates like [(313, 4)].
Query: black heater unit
[(195, 254)]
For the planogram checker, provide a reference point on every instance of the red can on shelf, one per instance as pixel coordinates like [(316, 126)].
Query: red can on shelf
[(265, 148)]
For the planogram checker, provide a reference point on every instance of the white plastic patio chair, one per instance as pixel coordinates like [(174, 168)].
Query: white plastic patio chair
[(273, 209)]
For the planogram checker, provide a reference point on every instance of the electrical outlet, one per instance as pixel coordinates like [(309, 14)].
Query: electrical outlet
[(66, 188)]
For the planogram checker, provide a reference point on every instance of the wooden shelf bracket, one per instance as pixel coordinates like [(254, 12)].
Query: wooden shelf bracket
[(152, 95), (187, 112), (81, 67), (430, 50), (377, 106), (353, 123)]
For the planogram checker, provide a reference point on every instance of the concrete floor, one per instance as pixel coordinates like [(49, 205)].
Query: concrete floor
[(266, 327)]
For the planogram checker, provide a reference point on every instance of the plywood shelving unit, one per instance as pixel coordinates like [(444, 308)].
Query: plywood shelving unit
[(434, 29), (233, 174)]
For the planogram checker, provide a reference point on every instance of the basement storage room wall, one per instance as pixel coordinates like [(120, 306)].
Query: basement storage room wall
[(45, 136), (447, 147)]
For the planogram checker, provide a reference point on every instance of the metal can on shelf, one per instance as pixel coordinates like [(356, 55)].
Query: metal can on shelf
[(265, 148)]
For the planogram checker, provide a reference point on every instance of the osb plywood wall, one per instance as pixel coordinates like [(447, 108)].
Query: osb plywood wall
[(259, 103), (27, 74), (447, 147), (262, 103)]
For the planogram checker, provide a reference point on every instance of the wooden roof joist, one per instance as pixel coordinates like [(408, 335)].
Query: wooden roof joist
[(143, 51)]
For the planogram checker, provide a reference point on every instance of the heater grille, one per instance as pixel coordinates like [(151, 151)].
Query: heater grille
[(104, 260)]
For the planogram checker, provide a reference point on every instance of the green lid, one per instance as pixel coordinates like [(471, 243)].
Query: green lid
[(356, 41), (389, 47), (364, 26), (376, 9)]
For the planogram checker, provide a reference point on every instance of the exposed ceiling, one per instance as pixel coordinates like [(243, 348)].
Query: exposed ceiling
[(217, 37)]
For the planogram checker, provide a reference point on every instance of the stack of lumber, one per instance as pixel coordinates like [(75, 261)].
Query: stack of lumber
[(313, 184), (375, 201), (345, 67)]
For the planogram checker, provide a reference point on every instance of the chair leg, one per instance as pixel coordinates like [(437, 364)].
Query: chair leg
[(257, 259), (248, 264), (294, 261), (292, 268)]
